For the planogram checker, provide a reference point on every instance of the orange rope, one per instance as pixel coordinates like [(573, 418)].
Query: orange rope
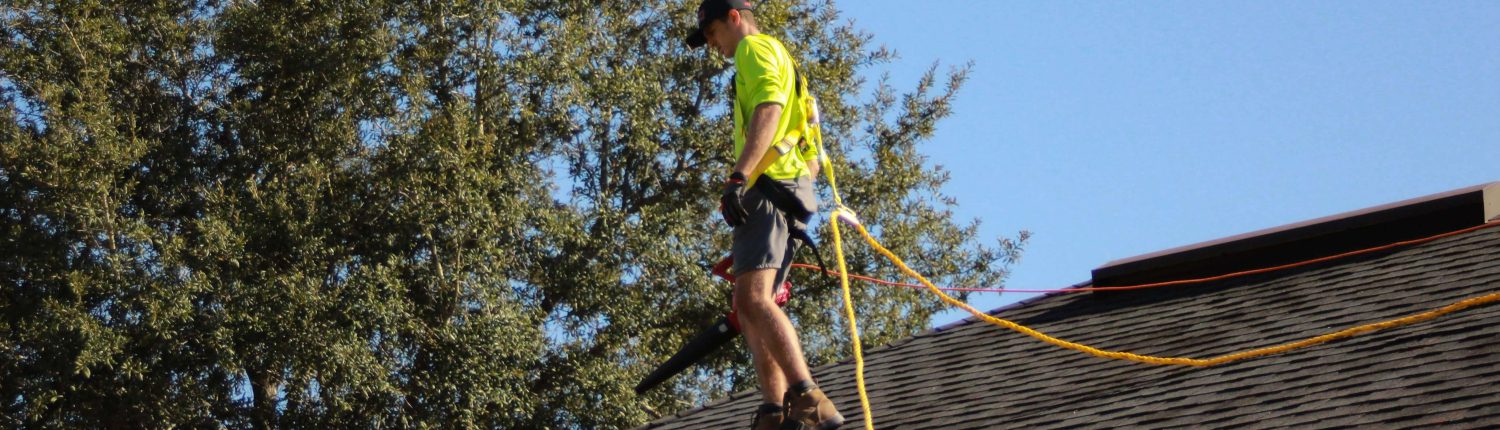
[(1169, 283), (1463, 304), (842, 213)]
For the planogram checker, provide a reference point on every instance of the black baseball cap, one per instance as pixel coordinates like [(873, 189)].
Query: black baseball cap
[(710, 11)]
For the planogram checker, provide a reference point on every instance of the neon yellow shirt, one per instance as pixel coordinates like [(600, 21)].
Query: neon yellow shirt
[(765, 73)]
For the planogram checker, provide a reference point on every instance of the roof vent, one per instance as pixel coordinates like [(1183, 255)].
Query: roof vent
[(1380, 225)]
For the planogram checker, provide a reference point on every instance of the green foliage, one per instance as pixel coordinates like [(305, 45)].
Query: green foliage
[(386, 214)]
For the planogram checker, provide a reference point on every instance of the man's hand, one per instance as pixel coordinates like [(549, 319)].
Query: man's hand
[(729, 203)]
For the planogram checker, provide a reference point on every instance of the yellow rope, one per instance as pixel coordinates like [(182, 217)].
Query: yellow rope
[(1410, 319), (838, 250), (859, 359), (842, 213)]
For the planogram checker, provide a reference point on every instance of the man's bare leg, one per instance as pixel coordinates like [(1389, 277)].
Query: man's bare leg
[(778, 355), (772, 380)]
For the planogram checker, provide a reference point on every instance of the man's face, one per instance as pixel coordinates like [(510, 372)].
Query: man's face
[(721, 36)]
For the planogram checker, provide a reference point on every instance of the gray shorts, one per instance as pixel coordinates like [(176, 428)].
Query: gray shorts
[(761, 242)]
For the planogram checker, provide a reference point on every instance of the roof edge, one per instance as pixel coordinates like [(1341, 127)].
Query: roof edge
[(1407, 219)]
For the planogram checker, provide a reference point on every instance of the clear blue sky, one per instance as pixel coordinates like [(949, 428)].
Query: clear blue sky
[(1112, 129)]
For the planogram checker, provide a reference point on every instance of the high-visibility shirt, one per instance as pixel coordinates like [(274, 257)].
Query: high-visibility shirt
[(765, 73)]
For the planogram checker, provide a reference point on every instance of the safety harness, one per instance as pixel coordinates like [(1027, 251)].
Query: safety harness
[(805, 138)]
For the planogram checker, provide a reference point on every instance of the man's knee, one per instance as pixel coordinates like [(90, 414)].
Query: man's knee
[(754, 287)]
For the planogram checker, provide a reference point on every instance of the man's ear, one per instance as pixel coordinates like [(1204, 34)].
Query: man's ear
[(733, 18)]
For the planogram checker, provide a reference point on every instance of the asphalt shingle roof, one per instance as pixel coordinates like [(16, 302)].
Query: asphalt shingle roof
[(1441, 373)]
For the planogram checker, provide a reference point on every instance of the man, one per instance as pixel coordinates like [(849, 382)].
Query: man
[(766, 106)]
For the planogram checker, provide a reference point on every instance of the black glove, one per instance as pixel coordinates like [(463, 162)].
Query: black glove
[(729, 203)]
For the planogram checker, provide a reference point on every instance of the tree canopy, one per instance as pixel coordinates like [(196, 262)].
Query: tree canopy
[(392, 214)]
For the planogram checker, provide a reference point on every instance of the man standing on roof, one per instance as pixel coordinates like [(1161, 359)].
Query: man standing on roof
[(765, 108)]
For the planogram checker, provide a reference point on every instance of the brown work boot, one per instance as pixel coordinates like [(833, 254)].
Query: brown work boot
[(810, 411), (767, 417)]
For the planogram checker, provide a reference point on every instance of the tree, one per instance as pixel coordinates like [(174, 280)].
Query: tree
[(393, 214)]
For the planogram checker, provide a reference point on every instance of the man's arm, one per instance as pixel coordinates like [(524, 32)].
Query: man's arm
[(758, 135)]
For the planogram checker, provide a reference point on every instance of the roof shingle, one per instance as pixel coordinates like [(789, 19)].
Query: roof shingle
[(1437, 373)]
